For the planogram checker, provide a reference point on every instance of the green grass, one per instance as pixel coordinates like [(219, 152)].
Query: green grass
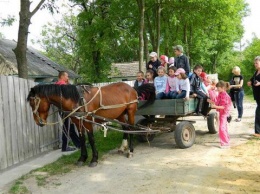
[(18, 188), (249, 97)]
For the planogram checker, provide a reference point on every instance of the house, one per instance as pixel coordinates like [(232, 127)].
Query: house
[(40, 68), (124, 71)]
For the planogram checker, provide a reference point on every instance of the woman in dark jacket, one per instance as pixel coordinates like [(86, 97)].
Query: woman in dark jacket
[(255, 83)]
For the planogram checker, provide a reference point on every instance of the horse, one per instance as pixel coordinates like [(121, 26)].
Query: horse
[(112, 101)]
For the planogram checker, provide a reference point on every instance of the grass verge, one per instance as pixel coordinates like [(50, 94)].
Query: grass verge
[(66, 163)]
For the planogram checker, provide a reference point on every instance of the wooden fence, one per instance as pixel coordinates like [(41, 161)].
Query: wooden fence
[(131, 83), (20, 137)]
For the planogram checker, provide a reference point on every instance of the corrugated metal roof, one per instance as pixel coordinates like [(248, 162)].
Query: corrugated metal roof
[(39, 66)]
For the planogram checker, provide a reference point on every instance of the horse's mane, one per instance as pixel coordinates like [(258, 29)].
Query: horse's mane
[(67, 91)]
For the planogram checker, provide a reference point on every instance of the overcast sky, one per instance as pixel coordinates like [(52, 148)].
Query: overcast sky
[(11, 7)]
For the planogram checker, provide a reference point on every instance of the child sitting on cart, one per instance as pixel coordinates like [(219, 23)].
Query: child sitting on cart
[(183, 85), (160, 83), (197, 90), (149, 77), (171, 82)]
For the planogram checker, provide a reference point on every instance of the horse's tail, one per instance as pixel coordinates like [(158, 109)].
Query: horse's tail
[(146, 92)]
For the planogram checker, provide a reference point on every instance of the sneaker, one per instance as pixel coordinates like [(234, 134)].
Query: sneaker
[(256, 135), (224, 147), (69, 149), (238, 120), (197, 114), (229, 118)]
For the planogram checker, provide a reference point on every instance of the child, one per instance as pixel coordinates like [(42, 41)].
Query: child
[(139, 79), (212, 89), (223, 105), (197, 90), (237, 91), (153, 64), (183, 85), (149, 76), (181, 60), (160, 83), (171, 61), (164, 61), (171, 82), (204, 76)]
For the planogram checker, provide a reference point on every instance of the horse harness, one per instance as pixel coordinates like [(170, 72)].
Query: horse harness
[(82, 104)]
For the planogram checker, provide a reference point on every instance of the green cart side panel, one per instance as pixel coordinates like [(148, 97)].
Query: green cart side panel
[(177, 107)]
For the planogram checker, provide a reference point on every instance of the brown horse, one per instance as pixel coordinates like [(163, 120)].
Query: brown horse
[(111, 101)]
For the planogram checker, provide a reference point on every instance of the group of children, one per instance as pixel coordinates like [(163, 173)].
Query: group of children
[(177, 85)]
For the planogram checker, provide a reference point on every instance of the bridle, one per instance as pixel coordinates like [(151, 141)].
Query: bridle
[(37, 101), (37, 104)]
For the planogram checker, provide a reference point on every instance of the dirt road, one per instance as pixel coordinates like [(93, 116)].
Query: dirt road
[(162, 168)]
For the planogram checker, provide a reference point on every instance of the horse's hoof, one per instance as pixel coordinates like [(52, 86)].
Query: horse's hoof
[(93, 164), (130, 155), (120, 151), (79, 163)]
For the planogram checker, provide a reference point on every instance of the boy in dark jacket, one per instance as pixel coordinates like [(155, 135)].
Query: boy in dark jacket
[(139, 79), (197, 91), (181, 61)]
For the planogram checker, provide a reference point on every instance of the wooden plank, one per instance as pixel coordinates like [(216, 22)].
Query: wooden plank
[(31, 126), (20, 102), (7, 121), (12, 91), (24, 87), (3, 155), (22, 130)]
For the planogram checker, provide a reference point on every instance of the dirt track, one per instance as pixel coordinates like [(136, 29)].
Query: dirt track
[(163, 168)]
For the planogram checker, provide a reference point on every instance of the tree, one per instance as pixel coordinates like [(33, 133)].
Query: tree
[(60, 41), (141, 6), (24, 23)]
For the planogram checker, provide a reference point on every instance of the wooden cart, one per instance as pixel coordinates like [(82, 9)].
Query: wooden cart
[(168, 112)]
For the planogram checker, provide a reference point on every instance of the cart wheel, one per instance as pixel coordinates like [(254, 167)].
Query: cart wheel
[(184, 134), (148, 137), (212, 121)]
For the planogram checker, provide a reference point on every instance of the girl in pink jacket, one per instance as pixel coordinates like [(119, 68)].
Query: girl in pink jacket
[(223, 105)]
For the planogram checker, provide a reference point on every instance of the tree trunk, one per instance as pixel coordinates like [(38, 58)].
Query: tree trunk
[(146, 48), (151, 31), (158, 26), (141, 33), (21, 48)]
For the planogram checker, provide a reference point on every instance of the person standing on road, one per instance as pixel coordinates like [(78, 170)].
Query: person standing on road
[(68, 128), (223, 105), (237, 91), (255, 84)]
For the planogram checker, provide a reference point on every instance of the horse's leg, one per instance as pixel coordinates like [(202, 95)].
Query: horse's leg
[(124, 145), (83, 150), (91, 139), (131, 120)]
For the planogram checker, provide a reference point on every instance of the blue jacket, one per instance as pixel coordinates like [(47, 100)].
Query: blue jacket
[(160, 84)]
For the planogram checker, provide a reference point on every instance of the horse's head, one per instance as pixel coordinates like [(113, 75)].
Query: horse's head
[(40, 107)]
